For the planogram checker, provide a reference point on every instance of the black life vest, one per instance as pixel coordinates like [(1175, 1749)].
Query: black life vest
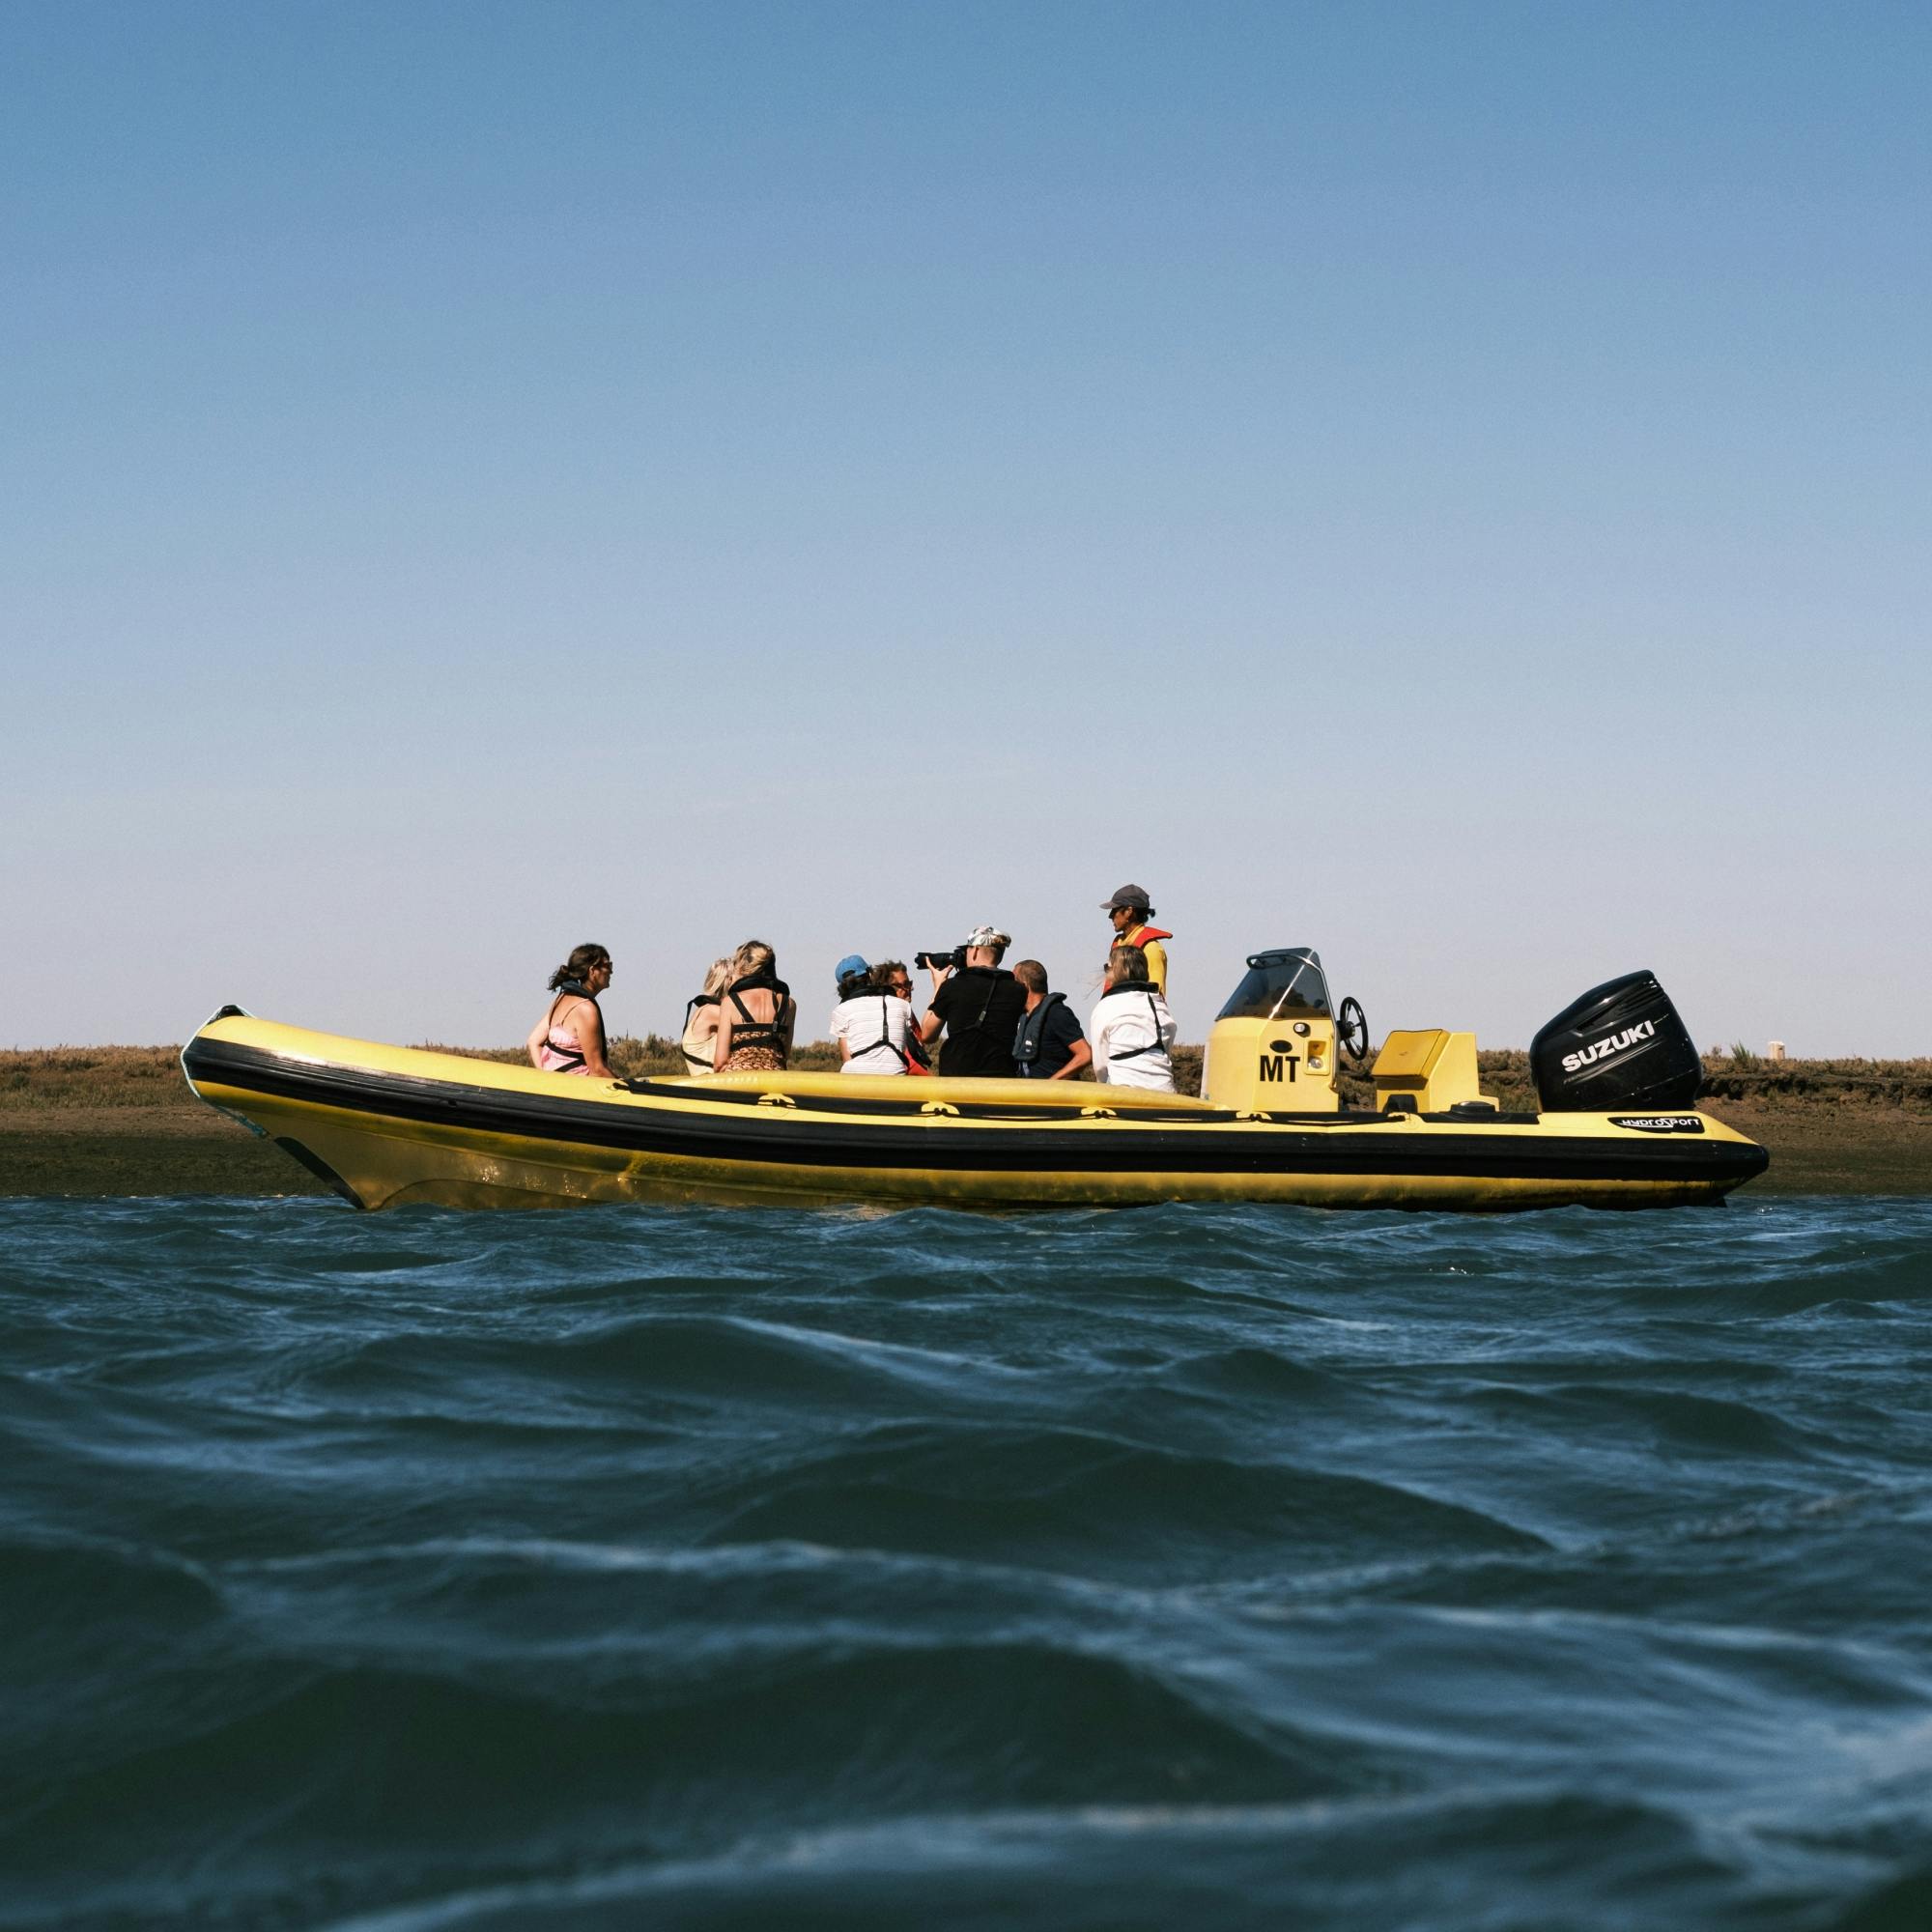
[(995, 975), (1031, 1034), (691, 1006), (885, 1038), (572, 1057), (747, 1032), (1153, 1046)]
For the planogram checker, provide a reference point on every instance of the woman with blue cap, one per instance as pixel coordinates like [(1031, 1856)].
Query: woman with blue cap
[(872, 1025)]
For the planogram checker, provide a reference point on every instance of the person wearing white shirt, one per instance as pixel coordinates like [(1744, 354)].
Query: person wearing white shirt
[(874, 1021), (1133, 1032)]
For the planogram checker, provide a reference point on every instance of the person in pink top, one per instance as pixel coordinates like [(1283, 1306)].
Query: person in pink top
[(569, 1039)]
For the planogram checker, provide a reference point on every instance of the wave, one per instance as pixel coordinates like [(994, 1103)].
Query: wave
[(419, 1768), (1238, 1565), (1369, 1861), (1901, 1904), (1705, 1424), (1099, 1504)]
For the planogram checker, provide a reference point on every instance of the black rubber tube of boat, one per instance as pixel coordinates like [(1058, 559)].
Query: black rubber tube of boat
[(772, 1136)]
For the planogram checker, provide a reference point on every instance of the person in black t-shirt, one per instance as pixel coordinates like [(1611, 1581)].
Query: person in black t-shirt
[(1048, 1044), (979, 1005)]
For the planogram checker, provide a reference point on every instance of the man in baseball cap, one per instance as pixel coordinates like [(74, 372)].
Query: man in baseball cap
[(1132, 918)]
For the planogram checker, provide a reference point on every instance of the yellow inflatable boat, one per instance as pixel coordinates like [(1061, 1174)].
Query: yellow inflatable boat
[(1615, 1128)]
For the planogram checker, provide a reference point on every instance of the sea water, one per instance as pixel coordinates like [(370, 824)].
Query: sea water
[(1193, 1566)]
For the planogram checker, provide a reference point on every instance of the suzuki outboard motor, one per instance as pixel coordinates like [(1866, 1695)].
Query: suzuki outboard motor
[(1620, 1047)]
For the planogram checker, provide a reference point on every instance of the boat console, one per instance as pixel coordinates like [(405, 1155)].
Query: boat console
[(1276, 1047)]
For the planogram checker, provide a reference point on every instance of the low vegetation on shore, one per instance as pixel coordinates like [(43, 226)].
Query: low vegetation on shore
[(120, 1119), (35, 1079)]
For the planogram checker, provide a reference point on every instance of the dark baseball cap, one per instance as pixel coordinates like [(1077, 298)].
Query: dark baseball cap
[(1129, 896)]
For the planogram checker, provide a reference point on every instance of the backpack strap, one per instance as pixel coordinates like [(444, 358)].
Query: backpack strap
[(885, 1038), (1153, 1046), (992, 987)]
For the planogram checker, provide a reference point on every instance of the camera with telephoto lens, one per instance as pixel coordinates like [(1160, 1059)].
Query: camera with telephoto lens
[(940, 959)]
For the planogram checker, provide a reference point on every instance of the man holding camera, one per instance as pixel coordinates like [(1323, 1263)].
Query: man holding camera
[(978, 1005)]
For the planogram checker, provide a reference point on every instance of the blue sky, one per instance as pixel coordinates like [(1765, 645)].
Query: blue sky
[(1446, 485)]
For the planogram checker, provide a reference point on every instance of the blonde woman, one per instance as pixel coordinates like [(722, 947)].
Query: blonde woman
[(700, 1019), (1133, 1031), (756, 1015)]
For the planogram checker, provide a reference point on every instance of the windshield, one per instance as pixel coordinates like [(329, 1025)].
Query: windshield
[(1285, 982)]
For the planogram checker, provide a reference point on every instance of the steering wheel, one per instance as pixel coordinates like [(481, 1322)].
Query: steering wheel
[(1351, 1028)]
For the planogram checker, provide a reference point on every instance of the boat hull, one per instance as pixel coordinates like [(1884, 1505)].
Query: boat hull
[(389, 1125)]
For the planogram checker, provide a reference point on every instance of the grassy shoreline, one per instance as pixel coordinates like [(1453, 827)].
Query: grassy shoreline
[(119, 1121)]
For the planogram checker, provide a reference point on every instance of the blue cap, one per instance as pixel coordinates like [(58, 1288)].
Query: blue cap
[(846, 967)]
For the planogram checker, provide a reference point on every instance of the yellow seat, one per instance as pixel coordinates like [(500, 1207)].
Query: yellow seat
[(1425, 1070)]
